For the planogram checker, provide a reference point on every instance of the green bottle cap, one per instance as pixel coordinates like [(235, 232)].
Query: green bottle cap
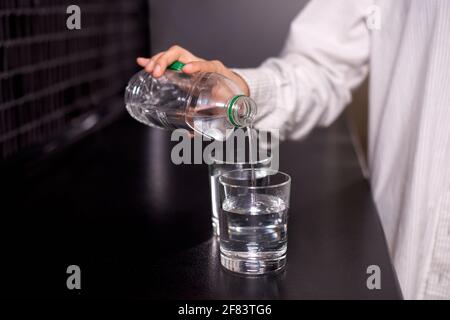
[(177, 66), (230, 110)]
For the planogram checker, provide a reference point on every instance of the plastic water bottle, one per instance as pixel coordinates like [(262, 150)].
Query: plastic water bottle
[(207, 103)]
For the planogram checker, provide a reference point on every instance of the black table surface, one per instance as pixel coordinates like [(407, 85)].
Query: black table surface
[(139, 226)]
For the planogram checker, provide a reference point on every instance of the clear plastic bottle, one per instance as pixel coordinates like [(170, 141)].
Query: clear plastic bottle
[(207, 103)]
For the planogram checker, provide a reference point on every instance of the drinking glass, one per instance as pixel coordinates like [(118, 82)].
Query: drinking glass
[(253, 220), (220, 166)]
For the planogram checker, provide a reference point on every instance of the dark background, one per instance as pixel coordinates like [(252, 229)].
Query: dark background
[(239, 33)]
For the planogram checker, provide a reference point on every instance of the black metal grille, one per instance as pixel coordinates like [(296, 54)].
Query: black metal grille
[(50, 76)]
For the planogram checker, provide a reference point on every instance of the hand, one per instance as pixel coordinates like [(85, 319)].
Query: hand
[(158, 64)]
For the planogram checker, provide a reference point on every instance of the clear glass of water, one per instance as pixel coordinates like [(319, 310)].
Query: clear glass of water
[(220, 166), (253, 220)]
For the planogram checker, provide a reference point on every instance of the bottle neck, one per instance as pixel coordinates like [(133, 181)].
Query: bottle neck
[(241, 111)]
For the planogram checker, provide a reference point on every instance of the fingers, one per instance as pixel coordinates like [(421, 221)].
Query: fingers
[(204, 66), (150, 65), (158, 64), (142, 61), (173, 54)]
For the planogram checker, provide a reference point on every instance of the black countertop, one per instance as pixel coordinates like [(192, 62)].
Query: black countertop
[(139, 226)]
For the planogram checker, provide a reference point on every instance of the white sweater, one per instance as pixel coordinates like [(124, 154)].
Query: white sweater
[(329, 51)]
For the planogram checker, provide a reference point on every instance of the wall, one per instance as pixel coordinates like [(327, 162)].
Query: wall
[(241, 33)]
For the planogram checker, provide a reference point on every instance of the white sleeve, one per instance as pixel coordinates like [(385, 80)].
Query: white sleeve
[(325, 56)]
